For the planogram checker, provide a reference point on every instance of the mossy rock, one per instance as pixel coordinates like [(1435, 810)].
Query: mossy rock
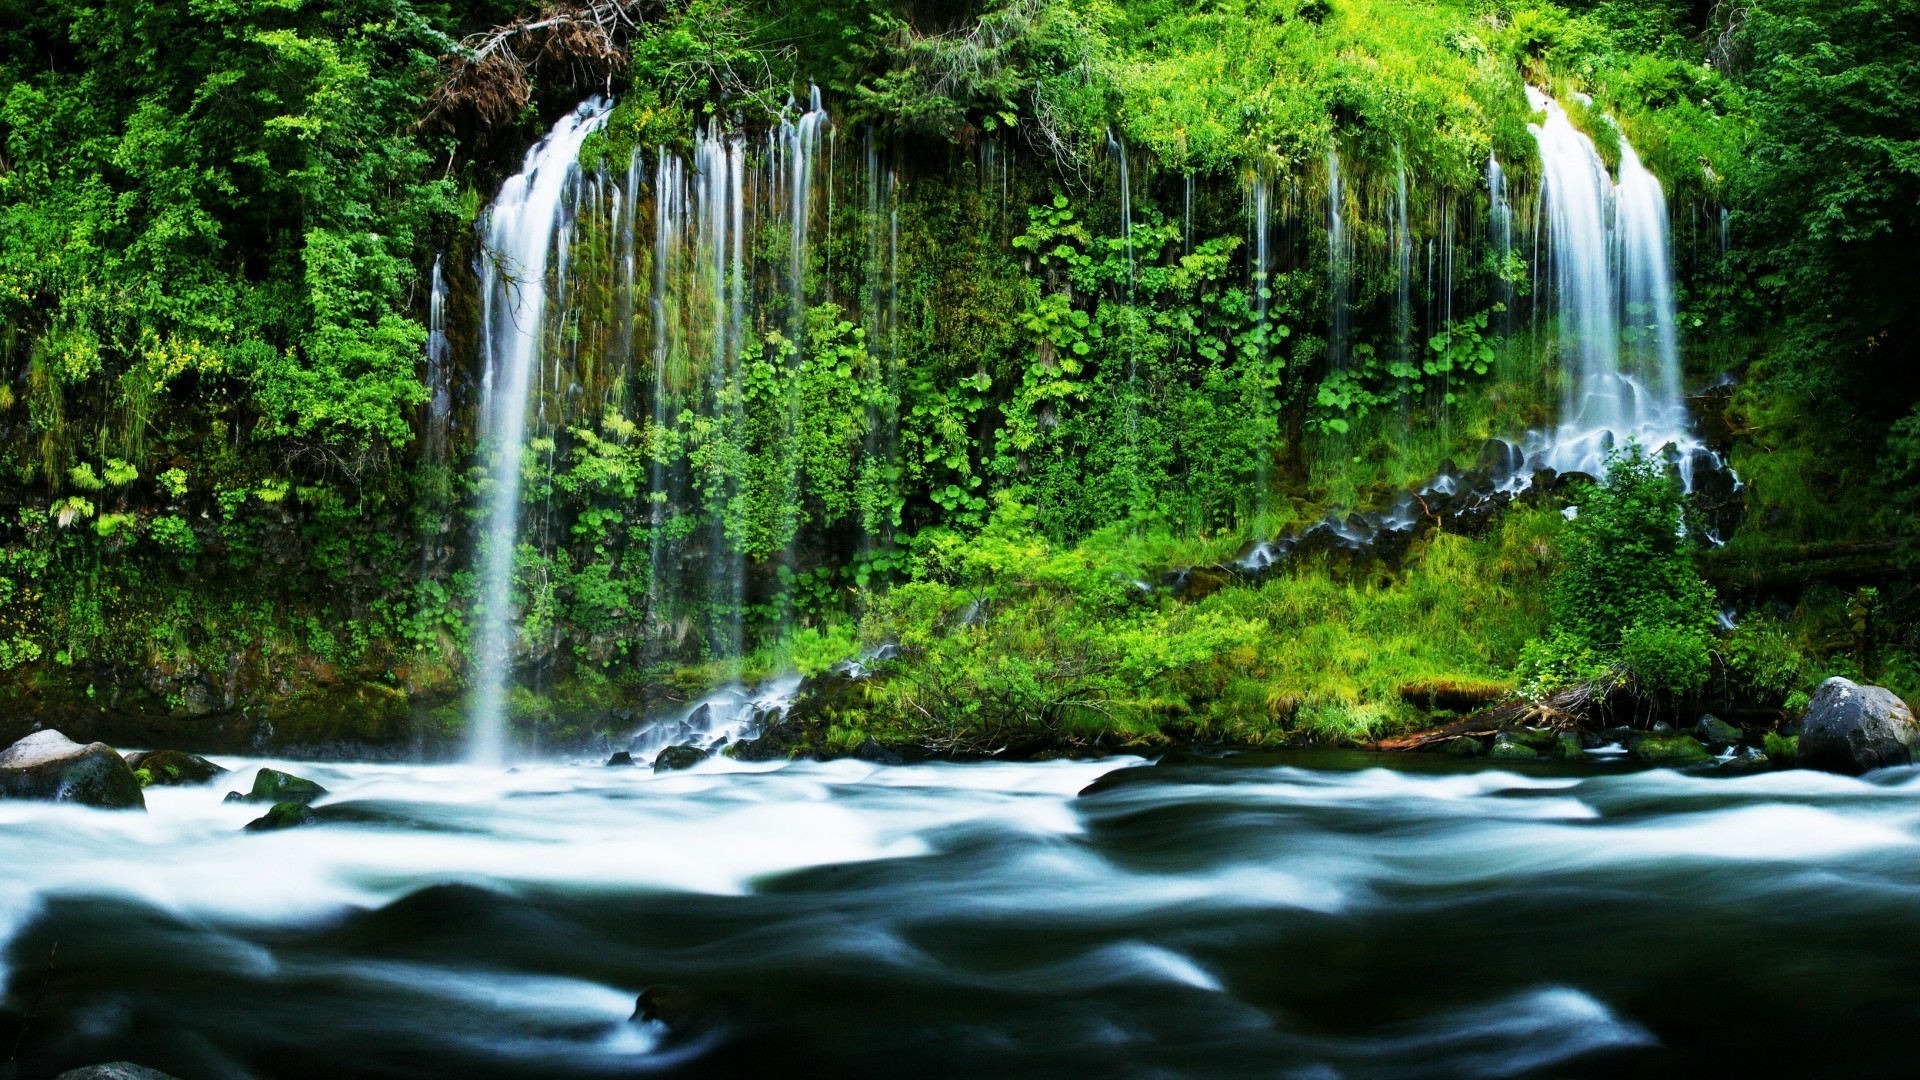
[(1506, 749), (172, 768), (284, 815), (274, 786), (1567, 747), (1464, 746), (1669, 749), (1714, 731)]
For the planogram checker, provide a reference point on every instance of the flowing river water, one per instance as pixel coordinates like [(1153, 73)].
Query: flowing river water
[(1293, 915)]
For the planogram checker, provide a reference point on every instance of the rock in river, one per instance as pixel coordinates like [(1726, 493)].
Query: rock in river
[(48, 765), (171, 768), (118, 1070), (1851, 729), (284, 815), (678, 757), (274, 786)]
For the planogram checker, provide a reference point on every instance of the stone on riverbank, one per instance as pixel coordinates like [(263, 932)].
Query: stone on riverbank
[(284, 815), (1851, 729), (1716, 732), (172, 768), (1507, 748), (49, 766), (274, 786), (1666, 748)]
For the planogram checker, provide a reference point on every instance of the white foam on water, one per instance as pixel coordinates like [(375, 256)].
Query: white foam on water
[(1529, 1031)]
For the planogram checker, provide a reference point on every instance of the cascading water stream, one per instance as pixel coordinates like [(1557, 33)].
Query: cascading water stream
[(1338, 314), (1608, 259), (522, 227)]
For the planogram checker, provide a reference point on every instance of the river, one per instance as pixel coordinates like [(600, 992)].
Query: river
[(1289, 915)]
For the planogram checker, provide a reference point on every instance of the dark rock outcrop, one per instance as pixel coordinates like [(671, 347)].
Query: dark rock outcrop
[(1849, 728), (172, 768), (47, 765), (620, 757)]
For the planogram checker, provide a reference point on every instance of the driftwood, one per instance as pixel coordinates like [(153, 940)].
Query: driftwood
[(1571, 708)]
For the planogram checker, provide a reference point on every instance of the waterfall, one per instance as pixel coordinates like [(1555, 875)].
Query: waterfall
[(440, 399), (720, 184), (521, 229), (1500, 237), (1338, 313), (1402, 279), (1608, 259), (1258, 272)]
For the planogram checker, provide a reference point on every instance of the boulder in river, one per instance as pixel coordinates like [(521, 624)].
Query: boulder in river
[(284, 815), (274, 786), (1463, 746), (1849, 728), (172, 768), (620, 757), (48, 765), (678, 757), (117, 1070)]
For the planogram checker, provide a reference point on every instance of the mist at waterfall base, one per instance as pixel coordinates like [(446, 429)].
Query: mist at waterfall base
[(1312, 914)]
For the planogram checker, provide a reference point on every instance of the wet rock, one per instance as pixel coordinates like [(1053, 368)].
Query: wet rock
[(172, 768), (1197, 582), (620, 757), (1747, 759), (118, 1070), (886, 652), (678, 757), (872, 751), (284, 815), (1850, 728), (274, 786), (1499, 459), (47, 765), (1716, 732), (1566, 747), (1463, 746), (1668, 749), (1506, 748), (681, 1010), (1609, 736)]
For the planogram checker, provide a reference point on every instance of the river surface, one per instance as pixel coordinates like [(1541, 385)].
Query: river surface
[(1307, 915)]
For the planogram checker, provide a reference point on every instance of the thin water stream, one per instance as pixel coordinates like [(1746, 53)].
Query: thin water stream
[(1309, 915)]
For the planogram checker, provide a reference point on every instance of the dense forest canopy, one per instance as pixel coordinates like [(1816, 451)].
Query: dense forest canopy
[(238, 451)]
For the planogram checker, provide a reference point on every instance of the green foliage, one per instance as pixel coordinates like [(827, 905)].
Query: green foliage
[(1624, 560), (1627, 602)]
